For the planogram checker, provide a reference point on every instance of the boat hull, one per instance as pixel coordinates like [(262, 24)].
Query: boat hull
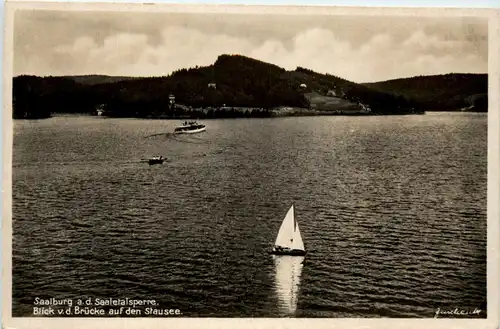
[(153, 162), (292, 252), (194, 131)]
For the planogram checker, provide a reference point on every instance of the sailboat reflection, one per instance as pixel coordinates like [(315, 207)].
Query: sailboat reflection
[(287, 281)]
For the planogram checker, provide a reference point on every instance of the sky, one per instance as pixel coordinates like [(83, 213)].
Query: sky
[(357, 48)]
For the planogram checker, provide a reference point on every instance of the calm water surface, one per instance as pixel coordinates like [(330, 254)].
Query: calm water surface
[(392, 211)]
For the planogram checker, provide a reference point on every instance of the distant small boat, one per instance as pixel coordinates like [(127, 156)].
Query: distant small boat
[(154, 160), (191, 127), (289, 241)]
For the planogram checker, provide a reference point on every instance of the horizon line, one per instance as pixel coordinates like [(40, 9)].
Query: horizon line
[(194, 68), (247, 57)]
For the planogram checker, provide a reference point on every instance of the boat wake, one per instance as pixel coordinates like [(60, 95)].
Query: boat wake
[(181, 138), (188, 139), (160, 134)]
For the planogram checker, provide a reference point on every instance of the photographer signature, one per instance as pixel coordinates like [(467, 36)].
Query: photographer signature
[(456, 312)]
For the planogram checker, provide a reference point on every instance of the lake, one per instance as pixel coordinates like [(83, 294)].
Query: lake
[(392, 210)]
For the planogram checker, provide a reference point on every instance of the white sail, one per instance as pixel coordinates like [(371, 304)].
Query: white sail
[(288, 270), (297, 238), (289, 233)]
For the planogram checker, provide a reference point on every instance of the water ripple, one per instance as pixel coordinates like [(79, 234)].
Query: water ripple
[(393, 216)]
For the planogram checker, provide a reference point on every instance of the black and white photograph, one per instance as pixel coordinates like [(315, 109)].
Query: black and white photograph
[(169, 162)]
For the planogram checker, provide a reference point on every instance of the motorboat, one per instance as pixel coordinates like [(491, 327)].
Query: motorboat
[(155, 160), (190, 127)]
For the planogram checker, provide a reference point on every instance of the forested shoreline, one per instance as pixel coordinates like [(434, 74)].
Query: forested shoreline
[(234, 86)]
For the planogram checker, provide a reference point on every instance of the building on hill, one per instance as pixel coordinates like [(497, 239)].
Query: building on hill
[(331, 93), (100, 110), (365, 108), (171, 101)]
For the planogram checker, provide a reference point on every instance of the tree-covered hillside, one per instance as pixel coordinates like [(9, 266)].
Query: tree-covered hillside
[(233, 81), (380, 102), (447, 92)]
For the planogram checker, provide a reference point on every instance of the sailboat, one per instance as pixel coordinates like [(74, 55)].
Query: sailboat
[(289, 241)]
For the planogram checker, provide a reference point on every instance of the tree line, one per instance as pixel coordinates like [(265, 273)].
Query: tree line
[(446, 92), (232, 82)]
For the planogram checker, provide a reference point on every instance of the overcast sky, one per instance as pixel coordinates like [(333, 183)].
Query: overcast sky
[(361, 49)]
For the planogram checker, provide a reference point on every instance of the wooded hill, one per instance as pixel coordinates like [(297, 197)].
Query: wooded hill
[(447, 92), (233, 81)]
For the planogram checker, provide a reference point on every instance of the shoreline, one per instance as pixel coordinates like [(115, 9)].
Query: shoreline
[(184, 113), (269, 114), (245, 113), (242, 113), (201, 117)]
